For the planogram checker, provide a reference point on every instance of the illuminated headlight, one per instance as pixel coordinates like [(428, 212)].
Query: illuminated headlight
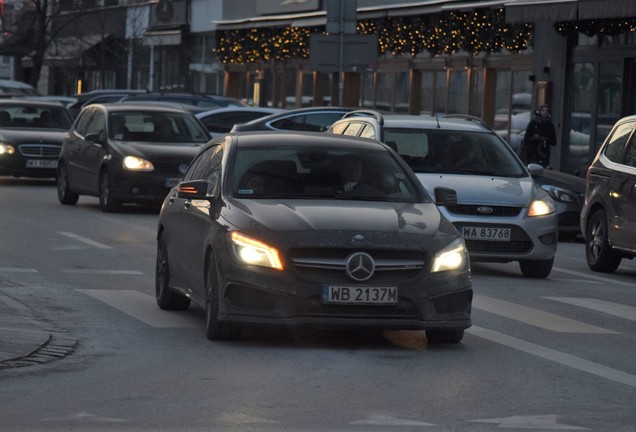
[(452, 257), (133, 163), (253, 252), (541, 207), (6, 149), (561, 195)]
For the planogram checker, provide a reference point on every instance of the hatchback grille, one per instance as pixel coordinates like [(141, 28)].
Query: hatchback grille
[(465, 209), (39, 150), (497, 247)]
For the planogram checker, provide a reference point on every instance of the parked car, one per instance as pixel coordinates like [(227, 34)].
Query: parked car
[(608, 219), (16, 88), (314, 119), (127, 153), (500, 210), (568, 192), (219, 121), (262, 231), (98, 96), (31, 134), (203, 101)]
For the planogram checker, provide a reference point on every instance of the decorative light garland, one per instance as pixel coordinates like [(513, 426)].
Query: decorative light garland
[(446, 33), (594, 27)]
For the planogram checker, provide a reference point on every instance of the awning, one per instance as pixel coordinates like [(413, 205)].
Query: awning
[(163, 37), (523, 11), (595, 9), (287, 20)]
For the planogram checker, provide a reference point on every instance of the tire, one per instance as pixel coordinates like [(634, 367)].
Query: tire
[(215, 329), (444, 336), (166, 298), (598, 253), (64, 193), (107, 201), (538, 269)]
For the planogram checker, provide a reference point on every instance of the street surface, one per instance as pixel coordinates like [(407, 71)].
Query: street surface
[(554, 354)]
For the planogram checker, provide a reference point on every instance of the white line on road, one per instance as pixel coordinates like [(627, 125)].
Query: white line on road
[(143, 307), (556, 356), (17, 270), (594, 277), (609, 308), (85, 240), (535, 317), (109, 272)]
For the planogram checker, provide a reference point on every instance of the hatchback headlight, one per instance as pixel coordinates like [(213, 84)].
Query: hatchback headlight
[(134, 163), (254, 252), (562, 195), (6, 149), (541, 207), (452, 257)]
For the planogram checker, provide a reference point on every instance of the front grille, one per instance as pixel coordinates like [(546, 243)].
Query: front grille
[(472, 210), (39, 150), (330, 264)]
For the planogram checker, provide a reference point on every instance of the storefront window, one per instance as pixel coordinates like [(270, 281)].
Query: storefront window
[(427, 92), (440, 93), (581, 117), (366, 97), (608, 109), (477, 93), (502, 104), (457, 93), (383, 92), (402, 92)]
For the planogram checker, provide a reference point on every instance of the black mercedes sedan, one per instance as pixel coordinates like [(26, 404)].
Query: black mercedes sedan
[(310, 229), (31, 134), (127, 153)]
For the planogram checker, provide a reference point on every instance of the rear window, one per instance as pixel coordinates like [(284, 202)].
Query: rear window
[(616, 144)]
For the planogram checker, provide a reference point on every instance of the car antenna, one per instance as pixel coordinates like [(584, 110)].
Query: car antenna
[(437, 119)]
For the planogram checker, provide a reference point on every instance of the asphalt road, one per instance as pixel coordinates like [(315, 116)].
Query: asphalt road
[(554, 354)]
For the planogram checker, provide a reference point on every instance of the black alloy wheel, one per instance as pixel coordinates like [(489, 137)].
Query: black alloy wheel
[(598, 253), (64, 193), (166, 298), (107, 200), (215, 329)]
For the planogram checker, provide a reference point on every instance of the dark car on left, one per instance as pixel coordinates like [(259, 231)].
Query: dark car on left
[(127, 153), (31, 134)]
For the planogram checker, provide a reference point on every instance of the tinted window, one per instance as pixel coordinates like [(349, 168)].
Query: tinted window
[(223, 122), (614, 148), (34, 117), (314, 122), (82, 121), (142, 126), (97, 123)]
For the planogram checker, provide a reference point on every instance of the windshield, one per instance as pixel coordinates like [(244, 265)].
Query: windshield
[(315, 172), (34, 117), (156, 127), (454, 152)]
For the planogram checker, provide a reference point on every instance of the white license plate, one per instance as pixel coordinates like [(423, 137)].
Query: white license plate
[(334, 294), (486, 233), (172, 182), (41, 163)]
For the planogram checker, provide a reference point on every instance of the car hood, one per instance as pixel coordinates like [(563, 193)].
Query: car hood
[(337, 222), (153, 151), (32, 136), (562, 180), (485, 190)]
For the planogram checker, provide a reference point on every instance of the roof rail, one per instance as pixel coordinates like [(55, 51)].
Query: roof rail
[(365, 113), (469, 118)]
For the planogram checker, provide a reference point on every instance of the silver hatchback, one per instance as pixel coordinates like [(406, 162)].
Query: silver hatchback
[(502, 213)]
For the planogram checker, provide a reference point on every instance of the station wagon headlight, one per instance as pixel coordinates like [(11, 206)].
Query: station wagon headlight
[(541, 207), (134, 163), (6, 149), (253, 252), (452, 257)]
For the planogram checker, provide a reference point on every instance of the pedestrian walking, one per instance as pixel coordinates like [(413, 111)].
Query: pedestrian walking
[(539, 137)]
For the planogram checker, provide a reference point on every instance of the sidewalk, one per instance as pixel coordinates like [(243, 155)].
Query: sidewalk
[(26, 340)]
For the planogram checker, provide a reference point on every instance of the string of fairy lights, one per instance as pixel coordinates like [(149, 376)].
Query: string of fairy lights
[(445, 33)]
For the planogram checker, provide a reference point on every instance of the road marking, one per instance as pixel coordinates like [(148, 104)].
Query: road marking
[(109, 272), (576, 281), (17, 270), (594, 277), (535, 317), (143, 307), (385, 420), (529, 422), (555, 356), (85, 240), (609, 308)]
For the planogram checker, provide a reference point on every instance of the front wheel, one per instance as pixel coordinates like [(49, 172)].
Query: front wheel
[(452, 336), (215, 329), (598, 253), (107, 200), (166, 298), (539, 269), (64, 193)]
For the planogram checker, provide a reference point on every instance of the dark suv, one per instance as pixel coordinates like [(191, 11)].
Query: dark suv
[(608, 219)]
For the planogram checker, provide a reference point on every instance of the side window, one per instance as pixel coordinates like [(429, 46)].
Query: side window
[(339, 128), (82, 121), (368, 132), (208, 167), (616, 144), (320, 122), (630, 157), (353, 129), (97, 123)]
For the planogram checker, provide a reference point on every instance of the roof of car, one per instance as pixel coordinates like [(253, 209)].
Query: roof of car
[(293, 138), (29, 102), (233, 108), (446, 122), (296, 111), (141, 106)]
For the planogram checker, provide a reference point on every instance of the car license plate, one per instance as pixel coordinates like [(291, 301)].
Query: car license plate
[(41, 163), (172, 182), (486, 233), (336, 294)]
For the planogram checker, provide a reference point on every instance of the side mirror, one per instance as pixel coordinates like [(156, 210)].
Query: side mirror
[(445, 197), (193, 190), (535, 170), (96, 138)]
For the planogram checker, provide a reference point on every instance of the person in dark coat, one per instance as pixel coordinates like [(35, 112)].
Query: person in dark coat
[(539, 137)]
